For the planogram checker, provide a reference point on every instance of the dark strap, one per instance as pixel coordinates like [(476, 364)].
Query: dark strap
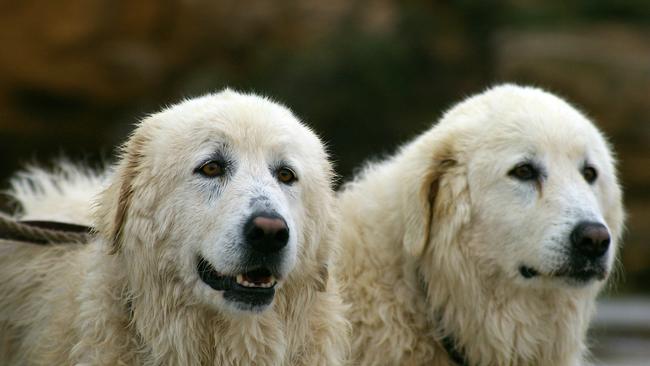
[(454, 354), (447, 340)]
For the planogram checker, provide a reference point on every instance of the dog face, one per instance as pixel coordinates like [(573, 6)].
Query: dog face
[(221, 187), (543, 189), (529, 185)]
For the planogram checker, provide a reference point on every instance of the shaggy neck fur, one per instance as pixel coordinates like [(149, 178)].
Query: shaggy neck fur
[(500, 325)]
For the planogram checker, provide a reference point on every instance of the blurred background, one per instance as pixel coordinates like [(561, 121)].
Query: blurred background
[(75, 75)]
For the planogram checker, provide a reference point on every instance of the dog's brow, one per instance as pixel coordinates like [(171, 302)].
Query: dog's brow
[(220, 152), (586, 162), (283, 163)]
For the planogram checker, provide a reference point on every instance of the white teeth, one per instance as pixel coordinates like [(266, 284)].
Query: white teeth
[(242, 282)]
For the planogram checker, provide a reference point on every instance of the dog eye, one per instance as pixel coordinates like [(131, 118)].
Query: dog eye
[(590, 174), (524, 172), (211, 169), (286, 175)]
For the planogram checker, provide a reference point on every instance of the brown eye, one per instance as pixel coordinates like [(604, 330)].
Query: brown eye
[(590, 174), (286, 175), (212, 169), (524, 172)]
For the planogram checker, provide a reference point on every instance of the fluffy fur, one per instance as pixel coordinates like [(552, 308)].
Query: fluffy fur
[(133, 296), (434, 237), (65, 194)]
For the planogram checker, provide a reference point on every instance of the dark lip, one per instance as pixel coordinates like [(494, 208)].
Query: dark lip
[(583, 275), (221, 282), (577, 275)]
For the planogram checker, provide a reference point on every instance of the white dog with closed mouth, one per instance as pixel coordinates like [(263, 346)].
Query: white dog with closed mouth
[(214, 237), (485, 240)]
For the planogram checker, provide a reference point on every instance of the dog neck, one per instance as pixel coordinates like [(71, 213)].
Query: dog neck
[(445, 339), (165, 314), (145, 323), (501, 324)]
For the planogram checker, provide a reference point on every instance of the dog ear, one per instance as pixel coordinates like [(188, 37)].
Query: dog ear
[(116, 200), (424, 183)]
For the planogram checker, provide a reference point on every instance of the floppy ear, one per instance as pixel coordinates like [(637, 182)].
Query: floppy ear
[(423, 177), (116, 200)]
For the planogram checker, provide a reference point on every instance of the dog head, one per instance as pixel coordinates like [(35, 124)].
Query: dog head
[(523, 184), (223, 196)]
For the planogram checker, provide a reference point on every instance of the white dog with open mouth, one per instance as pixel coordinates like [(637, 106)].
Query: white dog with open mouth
[(214, 237), (485, 240)]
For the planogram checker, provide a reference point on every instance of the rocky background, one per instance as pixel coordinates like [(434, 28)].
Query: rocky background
[(367, 75)]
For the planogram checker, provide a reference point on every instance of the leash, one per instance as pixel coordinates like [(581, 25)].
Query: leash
[(43, 232)]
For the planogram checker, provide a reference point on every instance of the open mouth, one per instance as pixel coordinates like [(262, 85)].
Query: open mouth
[(251, 289), (582, 275)]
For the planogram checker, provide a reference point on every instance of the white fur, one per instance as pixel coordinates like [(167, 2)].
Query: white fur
[(433, 237), (65, 194), (133, 296)]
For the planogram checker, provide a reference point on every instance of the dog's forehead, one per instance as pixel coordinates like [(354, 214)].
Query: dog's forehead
[(540, 136), (239, 127), (553, 135), (540, 128), (253, 122)]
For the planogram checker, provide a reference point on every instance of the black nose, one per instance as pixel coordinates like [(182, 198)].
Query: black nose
[(590, 239), (266, 232)]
